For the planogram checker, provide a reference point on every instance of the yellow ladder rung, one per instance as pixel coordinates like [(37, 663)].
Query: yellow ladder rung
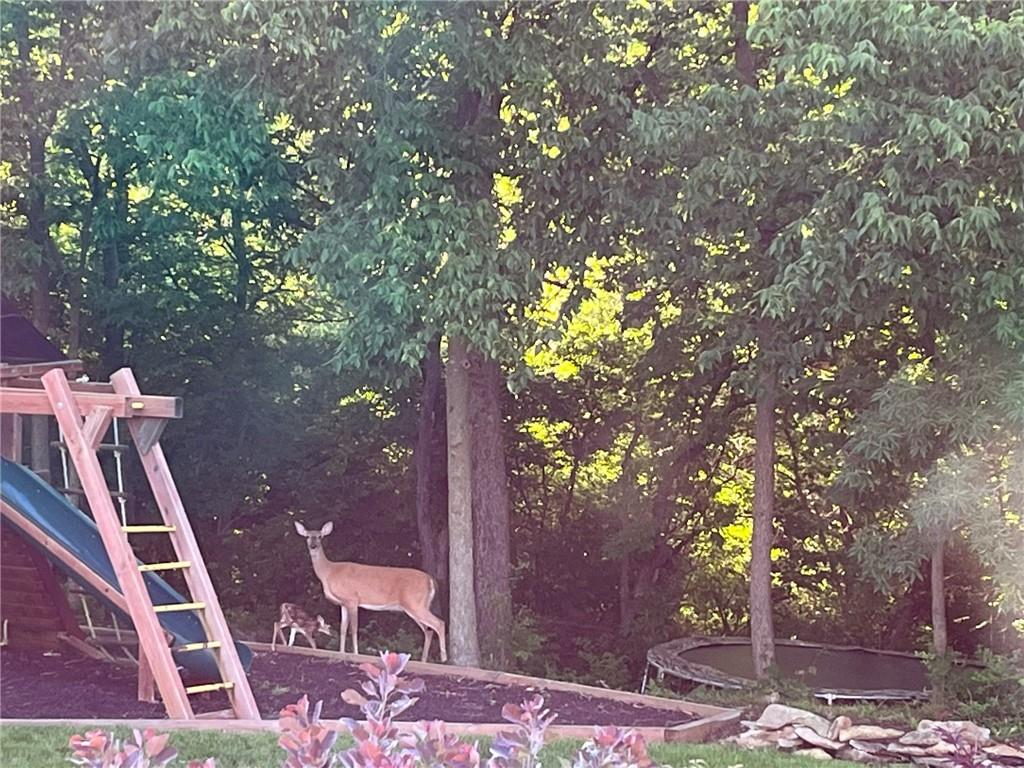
[(148, 528), (197, 646), (211, 687), (177, 565), (172, 607)]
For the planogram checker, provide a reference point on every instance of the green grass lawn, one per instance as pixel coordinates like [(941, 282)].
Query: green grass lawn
[(46, 747)]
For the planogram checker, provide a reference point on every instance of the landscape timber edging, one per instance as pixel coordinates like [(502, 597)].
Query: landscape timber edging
[(711, 720), (703, 711), (706, 729)]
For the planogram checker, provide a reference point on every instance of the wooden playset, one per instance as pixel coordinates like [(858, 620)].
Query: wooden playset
[(84, 411)]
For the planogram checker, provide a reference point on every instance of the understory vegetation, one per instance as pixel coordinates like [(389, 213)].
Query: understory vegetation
[(738, 290)]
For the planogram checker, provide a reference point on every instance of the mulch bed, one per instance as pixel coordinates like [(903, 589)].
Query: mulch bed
[(33, 685)]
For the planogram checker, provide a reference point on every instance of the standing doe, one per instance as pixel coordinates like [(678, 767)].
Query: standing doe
[(353, 586)]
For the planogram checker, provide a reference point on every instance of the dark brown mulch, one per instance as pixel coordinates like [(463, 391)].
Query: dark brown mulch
[(36, 686)]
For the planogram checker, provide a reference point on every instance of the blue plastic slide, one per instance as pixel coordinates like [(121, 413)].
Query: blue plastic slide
[(43, 507)]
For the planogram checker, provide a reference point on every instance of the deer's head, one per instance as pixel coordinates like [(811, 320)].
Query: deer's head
[(313, 537), (322, 626)]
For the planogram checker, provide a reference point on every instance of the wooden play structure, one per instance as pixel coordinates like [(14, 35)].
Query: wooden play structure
[(32, 601), (84, 411)]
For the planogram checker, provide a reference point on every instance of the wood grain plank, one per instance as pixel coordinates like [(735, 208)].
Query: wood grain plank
[(65, 405), (168, 500)]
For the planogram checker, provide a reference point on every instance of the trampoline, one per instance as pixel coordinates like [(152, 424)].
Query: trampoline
[(832, 672)]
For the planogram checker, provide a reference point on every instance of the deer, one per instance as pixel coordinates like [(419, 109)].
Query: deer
[(299, 622), (352, 586)]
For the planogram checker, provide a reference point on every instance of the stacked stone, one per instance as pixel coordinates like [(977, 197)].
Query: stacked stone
[(934, 743)]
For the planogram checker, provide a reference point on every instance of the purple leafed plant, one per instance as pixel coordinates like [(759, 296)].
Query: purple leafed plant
[(385, 695), (99, 749), (520, 747), (379, 743), (307, 743), (612, 747), (967, 751), (431, 746)]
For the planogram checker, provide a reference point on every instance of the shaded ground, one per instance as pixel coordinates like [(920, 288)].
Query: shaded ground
[(67, 686)]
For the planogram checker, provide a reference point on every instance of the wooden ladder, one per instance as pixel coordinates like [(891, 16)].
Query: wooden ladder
[(156, 664)]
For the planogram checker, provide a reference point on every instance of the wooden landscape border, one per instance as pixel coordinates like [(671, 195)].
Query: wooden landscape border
[(711, 720), (506, 678)]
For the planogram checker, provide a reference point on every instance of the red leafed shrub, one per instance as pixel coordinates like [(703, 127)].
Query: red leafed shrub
[(98, 749), (307, 743), (520, 747), (378, 741), (613, 748), (380, 744)]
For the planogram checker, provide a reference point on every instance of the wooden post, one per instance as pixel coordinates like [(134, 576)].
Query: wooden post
[(146, 691), (63, 404), (187, 548), (10, 436)]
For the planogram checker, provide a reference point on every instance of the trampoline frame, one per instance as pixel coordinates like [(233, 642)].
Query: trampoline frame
[(666, 659)]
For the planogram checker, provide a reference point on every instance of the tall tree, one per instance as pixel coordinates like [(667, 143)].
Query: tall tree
[(46, 54)]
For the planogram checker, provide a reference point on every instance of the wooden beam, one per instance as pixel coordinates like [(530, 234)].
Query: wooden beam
[(704, 729), (64, 404), (146, 687), (99, 387), (168, 500), (97, 422), (38, 369), (148, 434), (35, 402), (83, 647), (504, 678), (11, 436)]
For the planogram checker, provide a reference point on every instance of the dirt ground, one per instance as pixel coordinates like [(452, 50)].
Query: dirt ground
[(68, 686)]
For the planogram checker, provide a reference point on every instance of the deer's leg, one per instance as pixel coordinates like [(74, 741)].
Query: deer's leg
[(277, 632), (439, 628), (427, 638), (353, 609), (343, 635), (311, 637), (427, 619), (426, 635)]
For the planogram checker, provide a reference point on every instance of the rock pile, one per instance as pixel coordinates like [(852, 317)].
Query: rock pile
[(933, 743)]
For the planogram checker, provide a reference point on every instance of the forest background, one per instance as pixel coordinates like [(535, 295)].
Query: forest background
[(688, 317)]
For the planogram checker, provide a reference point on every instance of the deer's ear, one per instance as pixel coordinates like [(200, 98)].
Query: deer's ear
[(328, 527), (301, 529)]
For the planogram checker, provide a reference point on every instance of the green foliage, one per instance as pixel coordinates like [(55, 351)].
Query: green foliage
[(603, 196), (991, 693)]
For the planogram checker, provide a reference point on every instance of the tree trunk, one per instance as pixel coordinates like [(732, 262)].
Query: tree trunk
[(432, 529), (39, 451), (112, 355), (762, 631), (42, 306), (491, 527), (940, 636), (462, 622), (240, 253), (627, 606)]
